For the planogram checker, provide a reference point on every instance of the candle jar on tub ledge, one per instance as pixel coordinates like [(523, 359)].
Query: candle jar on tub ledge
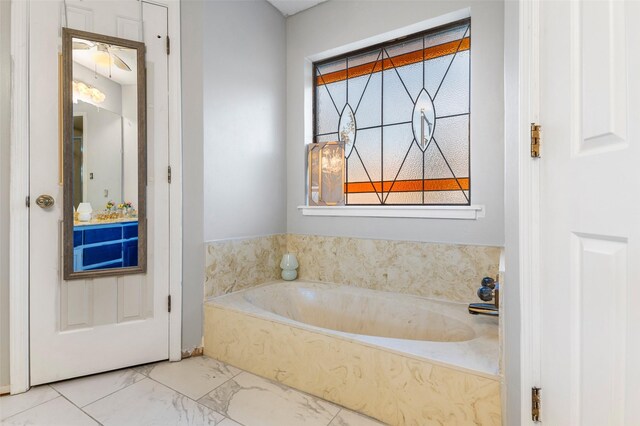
[(289, 264)]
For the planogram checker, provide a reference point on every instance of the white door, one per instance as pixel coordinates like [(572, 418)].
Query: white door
[(87, 326), (590, 212)]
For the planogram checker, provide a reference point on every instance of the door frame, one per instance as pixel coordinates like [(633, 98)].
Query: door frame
[(521, 306), (522, 224), (19, 190)]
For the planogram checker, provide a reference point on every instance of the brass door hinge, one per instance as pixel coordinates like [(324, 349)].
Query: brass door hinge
[(169, 303), (535, 404), (535, 140), (169, 174), (168, 46)]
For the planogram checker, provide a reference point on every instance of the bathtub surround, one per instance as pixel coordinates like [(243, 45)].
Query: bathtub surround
[(409, 382), (440, 271), (350, 369), (236, 264)]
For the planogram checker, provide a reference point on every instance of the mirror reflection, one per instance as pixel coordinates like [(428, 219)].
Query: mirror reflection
[(105, 155)]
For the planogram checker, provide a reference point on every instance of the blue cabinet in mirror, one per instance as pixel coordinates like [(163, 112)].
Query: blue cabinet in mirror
[(104, 246)]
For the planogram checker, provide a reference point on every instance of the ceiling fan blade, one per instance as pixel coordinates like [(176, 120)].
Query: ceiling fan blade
[(81, 45), (120, 63)]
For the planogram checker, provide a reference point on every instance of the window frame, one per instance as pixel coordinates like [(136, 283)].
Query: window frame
[(372, 209)]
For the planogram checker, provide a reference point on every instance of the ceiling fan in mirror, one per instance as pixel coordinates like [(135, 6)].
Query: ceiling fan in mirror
[(103, 54)]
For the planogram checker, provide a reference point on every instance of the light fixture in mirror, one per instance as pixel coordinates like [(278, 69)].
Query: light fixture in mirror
[(84, 92), (325, 162), (104, 133)]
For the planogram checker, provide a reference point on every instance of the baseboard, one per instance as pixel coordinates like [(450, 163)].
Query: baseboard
[(7, 389), (192, 352)]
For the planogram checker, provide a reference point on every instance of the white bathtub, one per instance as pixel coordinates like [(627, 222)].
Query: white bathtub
[(404, 360), (439, 331)]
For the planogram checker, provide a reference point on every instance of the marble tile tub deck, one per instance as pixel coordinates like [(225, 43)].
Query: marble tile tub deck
[(194, 391)]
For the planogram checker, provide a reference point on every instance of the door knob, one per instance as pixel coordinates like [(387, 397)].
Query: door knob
[(45, 201)]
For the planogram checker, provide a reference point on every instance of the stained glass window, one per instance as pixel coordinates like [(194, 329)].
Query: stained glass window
[(402, 110)]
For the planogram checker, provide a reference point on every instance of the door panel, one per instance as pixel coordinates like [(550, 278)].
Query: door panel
[(600, 333), (590, 212), (601, 31), (86, 326)]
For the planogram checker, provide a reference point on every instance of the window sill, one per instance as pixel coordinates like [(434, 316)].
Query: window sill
[(425, 212)]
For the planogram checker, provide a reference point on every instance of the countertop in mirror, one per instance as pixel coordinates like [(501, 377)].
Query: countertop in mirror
[(105, 221)]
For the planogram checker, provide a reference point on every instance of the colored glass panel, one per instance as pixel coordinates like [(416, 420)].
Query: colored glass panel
[(402, 110)]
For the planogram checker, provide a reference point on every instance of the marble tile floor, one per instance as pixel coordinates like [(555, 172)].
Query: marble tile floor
[(194, 391)]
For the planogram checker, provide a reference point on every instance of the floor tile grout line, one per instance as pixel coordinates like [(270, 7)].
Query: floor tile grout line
[(288, 388), (181, 393), (334, 417), (197, 400), (145, 376), (30, 408), (225, 382), (240, 371), (165, 385), (155, 364), (335, 404), (194, 400), (226, 416), (111, 393), (233, 420), (131, 384), (79, 408)]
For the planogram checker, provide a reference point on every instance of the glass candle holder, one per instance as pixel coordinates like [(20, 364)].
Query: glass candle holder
[(289, 264), (326, 170)]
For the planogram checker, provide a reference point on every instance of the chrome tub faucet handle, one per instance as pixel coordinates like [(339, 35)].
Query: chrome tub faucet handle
[(489, 290)]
